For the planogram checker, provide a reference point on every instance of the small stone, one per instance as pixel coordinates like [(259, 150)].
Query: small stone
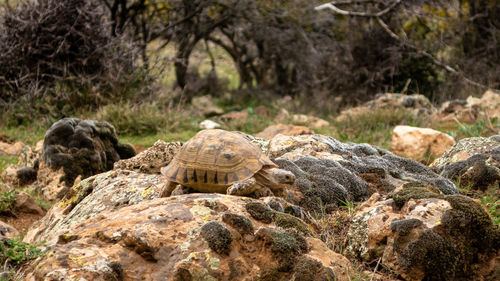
[(209, 124)]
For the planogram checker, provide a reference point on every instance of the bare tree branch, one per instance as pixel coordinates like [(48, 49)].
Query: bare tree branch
[(359, 14)]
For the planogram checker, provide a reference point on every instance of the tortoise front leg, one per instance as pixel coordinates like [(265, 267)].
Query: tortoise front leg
[(167, 189), (243, 187)]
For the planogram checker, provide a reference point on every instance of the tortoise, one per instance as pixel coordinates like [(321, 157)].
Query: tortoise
[(219, 161)]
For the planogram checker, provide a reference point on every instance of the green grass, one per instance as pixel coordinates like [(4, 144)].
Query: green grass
[(492, 204), (6, 160)]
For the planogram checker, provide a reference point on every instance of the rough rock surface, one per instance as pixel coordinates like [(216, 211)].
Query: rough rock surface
[(328, 171), (209, 124), (113, 189), (425, 235), (419, 143), (414, 104), (82, 147), (471, 109), (309, 121), (152, 159), (284, 129), (475, 162), (10, 149), (7, 231), (118, 231)]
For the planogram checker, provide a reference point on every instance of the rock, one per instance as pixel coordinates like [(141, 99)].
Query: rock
[(332, 172), (310, 121), (287, 130), (283, 116), (490, 102), (10, 149), (9, 175), (82, 147), (151, 160), (174, 238), (106, 191), (26, 175), (442, 237), (413, 104), (262, 111), (419, 143), (206, 106), (29, 157), (474, 162), (7, 231), (25, 204), (235, 116), (209, 124), (51, 183)]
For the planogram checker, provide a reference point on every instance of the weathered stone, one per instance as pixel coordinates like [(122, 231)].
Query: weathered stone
[(150, 161), (332, 172), (82, 148), (162, 239), (25, 204), (439, 237), (419, 143), (209, 124), (7, 231), (310, 121), (11, 149), (235, 116), (283, 129), (475, 162)]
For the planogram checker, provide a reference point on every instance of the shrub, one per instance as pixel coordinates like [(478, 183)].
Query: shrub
[(61, 53)]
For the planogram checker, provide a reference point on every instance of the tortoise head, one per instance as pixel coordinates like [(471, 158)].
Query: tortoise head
[(282, 177)]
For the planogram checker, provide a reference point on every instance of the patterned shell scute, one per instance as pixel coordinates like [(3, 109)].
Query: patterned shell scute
[(214, 159)]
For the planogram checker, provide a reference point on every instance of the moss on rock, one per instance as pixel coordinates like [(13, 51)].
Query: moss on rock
[(218, 237), (289, 221), (260, 211), (241, 223), (414, 191)]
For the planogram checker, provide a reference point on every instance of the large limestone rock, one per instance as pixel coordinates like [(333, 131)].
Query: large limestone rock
[(152, 159), (474, 162), (424, 235), (330, 173), (284, 129), (413, 104), (114, 228), (11, 149), (419, 143)]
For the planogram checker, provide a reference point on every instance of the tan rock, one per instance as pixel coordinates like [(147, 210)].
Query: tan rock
[(419, 143), (235, 116), (10, 149), (287, 130), (262, 111), (150, 160), (166, 238), (400, 236), (25, 204), (310, 121), (206, 106), (209, 124), (7, 231), (9, 174), (282, 116)]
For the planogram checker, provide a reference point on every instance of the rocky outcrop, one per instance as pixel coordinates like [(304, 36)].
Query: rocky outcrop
[(284, 129), (419, 143), (329, 172), (11, 149), (413, 104), (474, 162), (425, 235), (114, 228), (152, 159), (7, 231)]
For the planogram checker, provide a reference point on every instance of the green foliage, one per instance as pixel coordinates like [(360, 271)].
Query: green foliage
[(351, 207), (374, 127), (6, 160), (6, 201), (479, 129), (14, 251), (492, 205)]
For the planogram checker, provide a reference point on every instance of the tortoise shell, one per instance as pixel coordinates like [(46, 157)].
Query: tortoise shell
[(214, 159)]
